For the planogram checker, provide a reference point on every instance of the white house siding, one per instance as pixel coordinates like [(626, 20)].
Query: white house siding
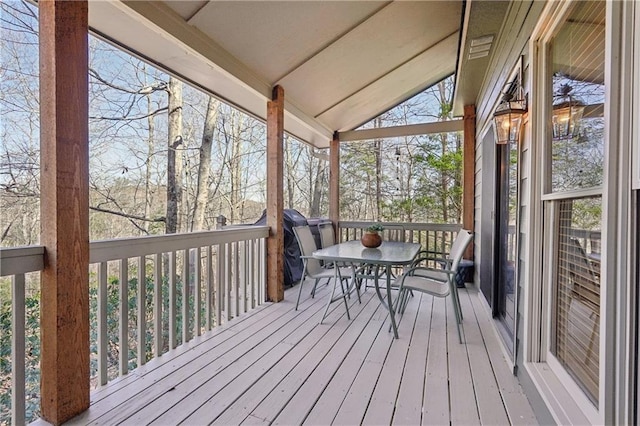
[(512, 43)]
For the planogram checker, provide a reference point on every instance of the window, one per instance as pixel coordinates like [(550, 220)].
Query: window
[(576, 293), (575, 145)]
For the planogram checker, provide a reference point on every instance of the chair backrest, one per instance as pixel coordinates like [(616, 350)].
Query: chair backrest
[(394, 233), (307, 247), (580, 268), (458, 247), (327, 237)]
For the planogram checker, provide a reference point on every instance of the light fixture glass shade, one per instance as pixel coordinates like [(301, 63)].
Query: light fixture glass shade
[(566, 118), (507, 121)]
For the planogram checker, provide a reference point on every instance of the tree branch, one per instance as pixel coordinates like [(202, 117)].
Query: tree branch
[(140, 117), (128, 216)]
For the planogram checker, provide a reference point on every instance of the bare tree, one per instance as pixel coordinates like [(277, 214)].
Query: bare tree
[(174, 155), (204, 165)]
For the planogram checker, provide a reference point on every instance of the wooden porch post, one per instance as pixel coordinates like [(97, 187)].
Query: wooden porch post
[(64, 208), (468, 171), (334, 181), (275, 197)]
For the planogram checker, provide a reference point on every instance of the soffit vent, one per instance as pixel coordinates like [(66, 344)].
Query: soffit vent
[(480, 47)]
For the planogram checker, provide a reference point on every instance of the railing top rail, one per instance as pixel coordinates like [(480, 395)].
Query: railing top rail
[(21, 260), (103, 251), (407, 225)]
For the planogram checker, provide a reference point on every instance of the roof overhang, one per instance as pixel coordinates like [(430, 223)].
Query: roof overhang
[(340, 63)]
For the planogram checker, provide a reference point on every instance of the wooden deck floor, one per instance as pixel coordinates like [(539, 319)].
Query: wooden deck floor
[(277, 365)]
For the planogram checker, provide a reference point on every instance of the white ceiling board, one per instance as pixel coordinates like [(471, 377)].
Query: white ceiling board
[(393, 36), (274, 37), (406, 81), (186, 8)]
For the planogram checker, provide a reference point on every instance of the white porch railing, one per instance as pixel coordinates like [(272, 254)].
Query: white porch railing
[(152, 293), (16, 263), (434, 237), (221, 274)]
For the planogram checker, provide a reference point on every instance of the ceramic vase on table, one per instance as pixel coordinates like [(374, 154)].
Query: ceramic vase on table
[(371, 239)]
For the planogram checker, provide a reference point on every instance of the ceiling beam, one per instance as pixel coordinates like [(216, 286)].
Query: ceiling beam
[(400, 131)]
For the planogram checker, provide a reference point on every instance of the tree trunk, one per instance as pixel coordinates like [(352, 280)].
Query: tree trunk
[(147, 173), (174, 156), (378, 153), (204, 166), (290, 172), (444, 186), (314, 210), (236, 167)]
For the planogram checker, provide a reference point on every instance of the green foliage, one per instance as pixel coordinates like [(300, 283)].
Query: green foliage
[(32, 337), (32, 359), (376, 227)]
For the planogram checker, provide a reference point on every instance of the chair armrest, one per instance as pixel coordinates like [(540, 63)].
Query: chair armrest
[(420, 259), (413, 270)]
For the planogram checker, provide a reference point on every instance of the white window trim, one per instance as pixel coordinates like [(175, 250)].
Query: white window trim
[(552, 380), (635, 162), (580, 193)]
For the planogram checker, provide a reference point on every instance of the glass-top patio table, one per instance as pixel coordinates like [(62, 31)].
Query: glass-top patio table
[(390, 253)]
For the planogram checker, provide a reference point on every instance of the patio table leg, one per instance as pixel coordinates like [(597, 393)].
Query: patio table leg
[(333, 298), (387, 304)]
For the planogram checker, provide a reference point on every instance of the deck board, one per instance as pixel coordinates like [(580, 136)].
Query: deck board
[(384, 396), (409, 401), (490, 405), (436, 406), (462, 398), (516, 404), (276, 365)]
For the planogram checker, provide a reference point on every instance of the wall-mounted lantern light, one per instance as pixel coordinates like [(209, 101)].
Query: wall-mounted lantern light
[(508, 119), (508, 116), (567, 114)]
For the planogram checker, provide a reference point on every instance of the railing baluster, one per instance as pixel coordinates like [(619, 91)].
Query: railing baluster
[(220, 264), (157, 304), (124, 317), (245, 274), (142, 310), (263, 272), (209, 292), (172, 300), (186, 290), (227, 282), (197, 288), (103, 337), (252, 273), (236, 278), (18, 350)]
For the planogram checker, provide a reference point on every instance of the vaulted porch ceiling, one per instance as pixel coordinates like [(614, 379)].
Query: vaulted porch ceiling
[(341, 63)]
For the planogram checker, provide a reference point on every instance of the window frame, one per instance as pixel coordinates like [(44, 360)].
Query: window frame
[(635, 161), (571, 401)]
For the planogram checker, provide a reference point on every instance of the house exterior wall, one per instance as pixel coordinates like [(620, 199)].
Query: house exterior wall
[(524, 24), (512, 44)]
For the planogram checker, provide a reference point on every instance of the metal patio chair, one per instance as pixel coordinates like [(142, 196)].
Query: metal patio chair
[(437, 282), (314, 270)]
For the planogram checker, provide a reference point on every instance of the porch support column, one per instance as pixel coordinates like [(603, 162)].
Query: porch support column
[(334, 181), (275, 198), (468, 171), (64, 208)]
